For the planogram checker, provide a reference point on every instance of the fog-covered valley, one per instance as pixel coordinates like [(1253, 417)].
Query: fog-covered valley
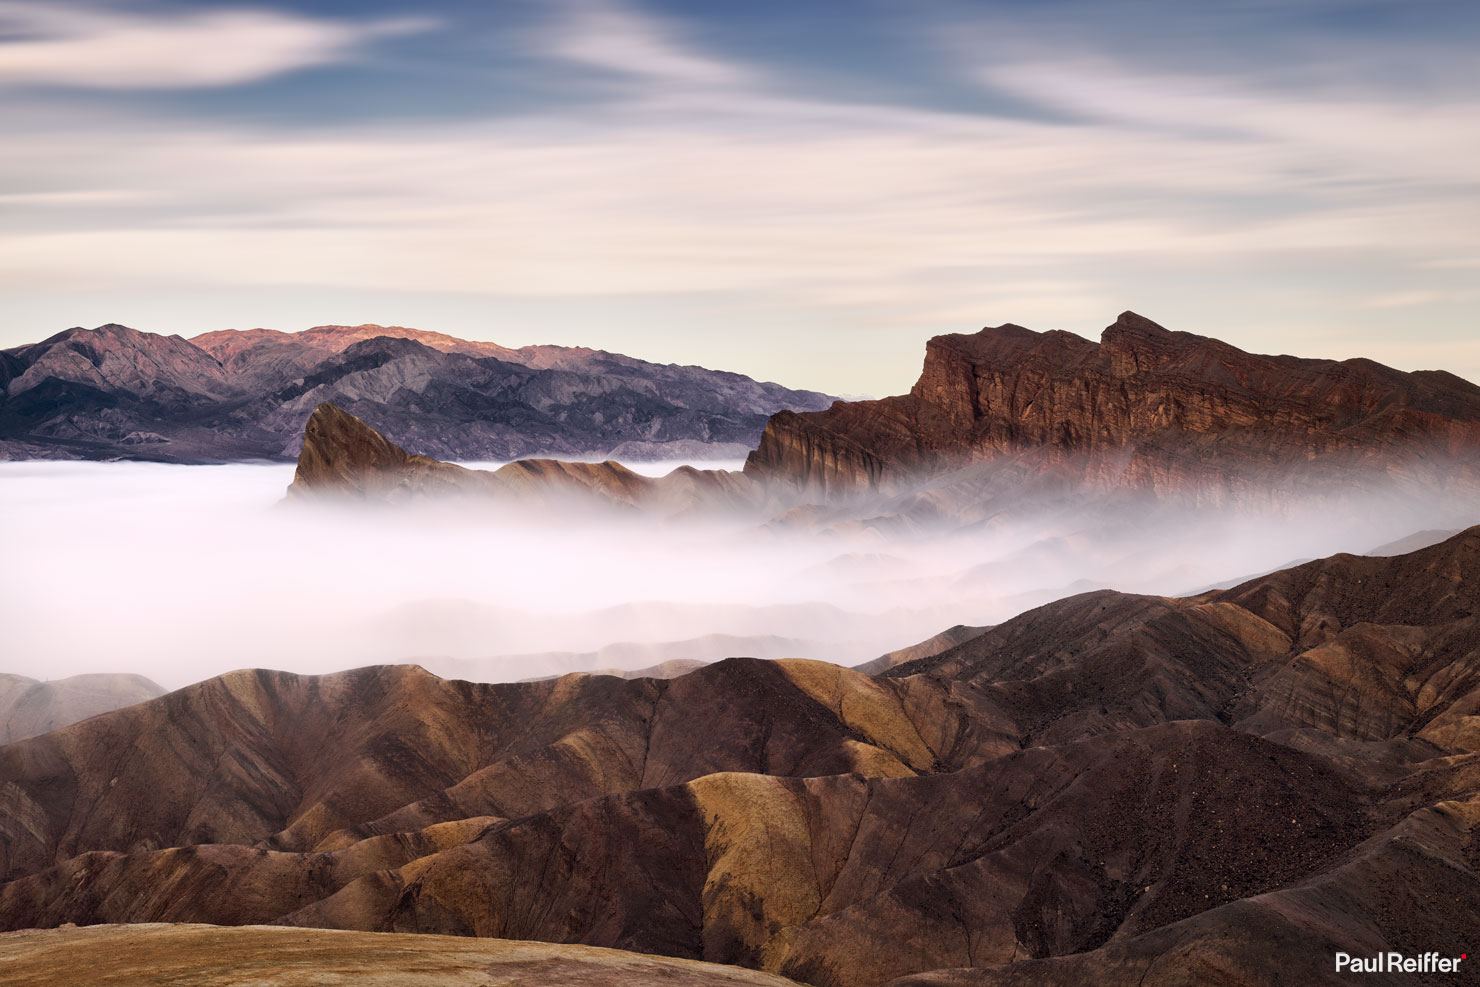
[(183, 572)]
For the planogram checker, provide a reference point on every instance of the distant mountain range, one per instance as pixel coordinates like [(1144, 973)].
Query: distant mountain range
[(115, 392)]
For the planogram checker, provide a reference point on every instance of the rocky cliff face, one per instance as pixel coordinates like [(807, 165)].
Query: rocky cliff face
[(116, 392), (342, 455), (1144, 409)]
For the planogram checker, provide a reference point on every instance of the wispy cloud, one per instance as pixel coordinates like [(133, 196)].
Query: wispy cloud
[(738, 191), (627, 42), (1152, 188), (1410, 299), (50, 43), (1411, 138)]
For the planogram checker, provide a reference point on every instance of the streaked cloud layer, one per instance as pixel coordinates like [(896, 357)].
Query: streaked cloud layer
[(673, 184), (76, 46)]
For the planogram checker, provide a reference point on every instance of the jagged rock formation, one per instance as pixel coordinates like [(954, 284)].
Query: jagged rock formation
[(1110, 789), (344, 457), (1145, 409), (29, 708), (114, 392), (148, 955)]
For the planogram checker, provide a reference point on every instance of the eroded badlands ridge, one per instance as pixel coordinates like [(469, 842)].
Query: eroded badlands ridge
[(1143, 409), (1111, 789)]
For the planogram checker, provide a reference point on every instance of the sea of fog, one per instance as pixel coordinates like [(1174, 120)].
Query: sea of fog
[(183, 572)]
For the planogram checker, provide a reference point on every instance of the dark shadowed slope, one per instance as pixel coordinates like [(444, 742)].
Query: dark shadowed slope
[(1413, 890)]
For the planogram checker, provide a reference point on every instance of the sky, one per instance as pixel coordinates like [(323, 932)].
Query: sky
[(802, 191)]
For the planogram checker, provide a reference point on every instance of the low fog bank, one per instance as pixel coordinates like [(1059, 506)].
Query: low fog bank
[(654, 467), (183, 572)]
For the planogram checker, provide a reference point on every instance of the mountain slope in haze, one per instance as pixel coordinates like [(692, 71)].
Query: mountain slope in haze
[(29, 708), (1112, 788), (1144, 409), (114, 392), (1367, 648)]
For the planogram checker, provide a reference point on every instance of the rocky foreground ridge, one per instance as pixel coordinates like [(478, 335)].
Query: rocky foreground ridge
[(1144, 409), (114, 392), (1112, 789), (150, 955)]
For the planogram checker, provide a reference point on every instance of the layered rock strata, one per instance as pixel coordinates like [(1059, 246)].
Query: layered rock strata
[(1144, 409)]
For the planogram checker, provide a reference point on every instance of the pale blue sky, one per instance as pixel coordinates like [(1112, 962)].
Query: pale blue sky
[(801, 191)]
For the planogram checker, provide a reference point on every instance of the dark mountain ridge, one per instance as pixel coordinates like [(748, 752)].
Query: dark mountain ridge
[(114, 392)]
